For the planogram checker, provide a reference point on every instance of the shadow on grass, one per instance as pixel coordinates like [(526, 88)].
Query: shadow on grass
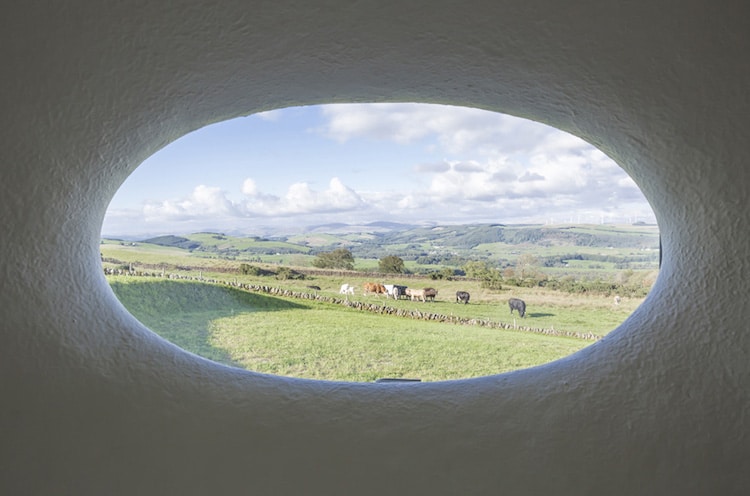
[(540, 314), (183, 312)]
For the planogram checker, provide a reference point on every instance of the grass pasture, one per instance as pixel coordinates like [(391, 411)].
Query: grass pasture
[(584, 313), (311, 339), (320, 340)]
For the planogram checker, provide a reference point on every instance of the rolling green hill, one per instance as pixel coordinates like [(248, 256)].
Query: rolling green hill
[(576, 248), (454, 245), (227, 246)]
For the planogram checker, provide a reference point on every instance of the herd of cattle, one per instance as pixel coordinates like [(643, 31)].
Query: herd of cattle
[(397, 291)]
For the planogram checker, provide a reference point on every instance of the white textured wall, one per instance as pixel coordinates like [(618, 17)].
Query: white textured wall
[(92, 403)]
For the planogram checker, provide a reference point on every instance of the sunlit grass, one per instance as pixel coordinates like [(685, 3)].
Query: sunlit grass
[(583, 313), (324, 342), (310, 339)]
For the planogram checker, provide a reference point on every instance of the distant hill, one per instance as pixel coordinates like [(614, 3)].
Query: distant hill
[(226, 246), (472, 235), (635, 245), (173, 241), (393, 226), (370, 227)]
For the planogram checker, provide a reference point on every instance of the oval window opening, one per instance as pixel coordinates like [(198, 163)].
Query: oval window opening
[(378, 242)]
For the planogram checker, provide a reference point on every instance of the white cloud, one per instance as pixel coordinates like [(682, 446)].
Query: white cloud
[(499, 158), (530, 176), (211, 203), (270, 115), (456, 129), (433, 167), (495, 168), (302, 199), (249, 188), (468, 167), (204, 201)]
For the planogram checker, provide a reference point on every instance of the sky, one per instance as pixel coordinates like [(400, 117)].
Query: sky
[(282, 171)]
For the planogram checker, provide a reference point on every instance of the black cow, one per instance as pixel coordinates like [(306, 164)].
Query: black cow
[(462, 297), (516, 304), (399, 291)]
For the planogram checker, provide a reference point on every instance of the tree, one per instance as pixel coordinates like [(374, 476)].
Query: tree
[(526, 266), (340, 258), (478, 269), (490, 276), (391, 264)]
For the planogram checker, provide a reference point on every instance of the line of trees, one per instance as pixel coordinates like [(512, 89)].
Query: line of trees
[(342, 258)]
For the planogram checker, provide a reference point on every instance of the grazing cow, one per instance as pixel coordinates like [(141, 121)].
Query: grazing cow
[(516, 304), (373, 287), (462, 297), (346, 289), (394, 290), (415, 294), (398, 291), (617, 299), (430, 293)]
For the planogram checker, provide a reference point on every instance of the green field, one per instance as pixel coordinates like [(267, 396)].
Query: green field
[(569, 276), (309, 339)]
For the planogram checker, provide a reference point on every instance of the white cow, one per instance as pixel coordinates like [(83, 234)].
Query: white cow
[(415, 294), (346, 289)]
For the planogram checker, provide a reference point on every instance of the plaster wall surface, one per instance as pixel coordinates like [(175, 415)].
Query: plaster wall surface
[(93, 403)]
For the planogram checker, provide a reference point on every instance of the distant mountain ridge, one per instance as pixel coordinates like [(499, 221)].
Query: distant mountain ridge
[(369, 227)]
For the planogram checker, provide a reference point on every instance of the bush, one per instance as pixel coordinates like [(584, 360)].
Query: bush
[(445, 274), (249, 270), (489, 276), (494, 284), (286, 273)]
